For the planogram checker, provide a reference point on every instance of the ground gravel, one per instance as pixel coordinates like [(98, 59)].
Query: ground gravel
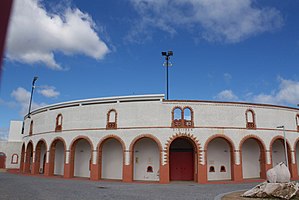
[(19, 187)]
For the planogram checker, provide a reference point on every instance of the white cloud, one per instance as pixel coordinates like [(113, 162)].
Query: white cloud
[(287, 93), (48, 91), (36, 34), (227, 95), (227, 77), (215, 20), (22, 97)]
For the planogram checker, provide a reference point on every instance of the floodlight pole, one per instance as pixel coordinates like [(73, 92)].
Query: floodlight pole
[(167, 57), (285, 145), (30, 102)]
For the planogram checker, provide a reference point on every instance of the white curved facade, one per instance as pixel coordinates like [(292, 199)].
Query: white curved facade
[(147, 138)]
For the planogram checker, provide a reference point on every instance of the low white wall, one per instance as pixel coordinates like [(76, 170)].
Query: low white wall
[(112, 160), (10, 148), (59, 159), (251, 159), (219, 154), (146, 153), (82, 159), (278, 154)]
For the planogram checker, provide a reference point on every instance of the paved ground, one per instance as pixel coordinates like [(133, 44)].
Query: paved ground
[(19, 187)]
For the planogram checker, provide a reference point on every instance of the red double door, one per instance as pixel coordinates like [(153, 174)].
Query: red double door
[(2, 161), (181, 166)]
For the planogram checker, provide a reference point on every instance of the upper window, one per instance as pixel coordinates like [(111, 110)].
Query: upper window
[(14, 159), (297, 122), (250, 119), (111, 119), (58, 126), (182, 118), (31, 128)]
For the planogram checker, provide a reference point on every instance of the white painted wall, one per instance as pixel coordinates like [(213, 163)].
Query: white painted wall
[(218, 154), (112, 160), (146, 153), (250, 159), (15, 131), (10, 148), (43, 152), (59, 159), (278, 154), (82, 159)]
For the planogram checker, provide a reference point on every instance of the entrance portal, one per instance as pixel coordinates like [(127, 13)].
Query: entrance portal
[(2, 160), (181, 160)]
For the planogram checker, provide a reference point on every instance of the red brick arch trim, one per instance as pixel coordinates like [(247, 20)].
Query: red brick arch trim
[(278, 138), (136, 139), (52, 153), (229, 141), (14, 161), (102, 142), (288, 149), (295, 144), (257, 138), (107, 137), (40, 142), (55, 140), (30, 142), (76, 140), (188, 136)]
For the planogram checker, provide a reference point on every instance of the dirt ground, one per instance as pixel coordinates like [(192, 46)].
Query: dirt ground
[(237, 196)]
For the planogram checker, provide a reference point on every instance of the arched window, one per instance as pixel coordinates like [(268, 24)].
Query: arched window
[(250, 119), (188, 117), (111, 119), (14, 159), (212, 169), (58, 126), (182, 118), (297, 122), (222, 168), (31, 128)]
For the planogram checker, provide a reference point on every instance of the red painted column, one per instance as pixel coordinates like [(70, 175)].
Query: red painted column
[(164, 174), (47, 169), (128, 173), (293, 170), (94, 172), (67, 171), (202, 174), (237, 173), (35, 163)]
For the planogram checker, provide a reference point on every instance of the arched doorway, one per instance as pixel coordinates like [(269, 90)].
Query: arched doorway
[(81, 158), (29, 158), (146, 159), (112, 159), (40, 157), (278, 153), (2, 160), (57, 157), (219, 156), (182, 160), (253, 159), (22, 158)]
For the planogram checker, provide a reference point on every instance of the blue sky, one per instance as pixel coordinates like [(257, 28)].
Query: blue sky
[(227, 50)]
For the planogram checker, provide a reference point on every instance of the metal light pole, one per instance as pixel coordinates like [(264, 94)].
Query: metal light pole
[(285, 145), (32, 88), (168, 64)]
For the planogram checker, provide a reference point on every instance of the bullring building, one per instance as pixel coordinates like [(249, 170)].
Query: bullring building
[(148, 138)]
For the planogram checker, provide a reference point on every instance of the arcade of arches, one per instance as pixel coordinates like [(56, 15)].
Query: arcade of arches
[(217, 160)]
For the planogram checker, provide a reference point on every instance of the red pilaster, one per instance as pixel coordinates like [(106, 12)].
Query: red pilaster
[(47, 169), (68, 171), (127, 173), (293, 170), (164, 174), (94, 172), (202, 174), (237, 173)]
